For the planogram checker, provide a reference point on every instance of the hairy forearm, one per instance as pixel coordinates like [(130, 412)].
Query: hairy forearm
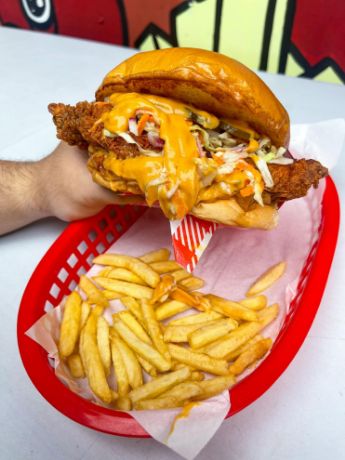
[(22, 199)]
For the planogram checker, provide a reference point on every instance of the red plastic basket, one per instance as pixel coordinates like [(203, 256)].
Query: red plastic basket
[(58, 272)]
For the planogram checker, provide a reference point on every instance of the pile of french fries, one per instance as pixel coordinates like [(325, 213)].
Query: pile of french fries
[(147, 358)]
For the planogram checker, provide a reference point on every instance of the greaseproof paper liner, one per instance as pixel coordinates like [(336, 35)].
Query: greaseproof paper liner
[(232, 260)]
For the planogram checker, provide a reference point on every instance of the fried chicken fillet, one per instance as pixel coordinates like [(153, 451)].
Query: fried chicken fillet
[(80, 125)]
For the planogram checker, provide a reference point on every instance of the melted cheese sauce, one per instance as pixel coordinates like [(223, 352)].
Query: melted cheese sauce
[(185, 411), (171, 179)]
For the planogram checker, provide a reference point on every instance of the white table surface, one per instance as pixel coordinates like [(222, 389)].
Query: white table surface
[(302, 416)]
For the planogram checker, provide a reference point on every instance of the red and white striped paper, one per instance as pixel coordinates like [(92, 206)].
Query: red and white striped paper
[(190, 238)]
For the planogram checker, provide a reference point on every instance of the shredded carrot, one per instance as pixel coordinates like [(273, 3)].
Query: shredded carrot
[(247, 191), (142, 122)]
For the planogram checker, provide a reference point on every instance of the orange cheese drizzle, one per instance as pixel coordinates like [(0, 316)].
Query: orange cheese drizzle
[(159, 177)]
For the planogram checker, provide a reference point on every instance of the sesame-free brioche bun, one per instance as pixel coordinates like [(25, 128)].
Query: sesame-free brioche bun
[(210, 81)]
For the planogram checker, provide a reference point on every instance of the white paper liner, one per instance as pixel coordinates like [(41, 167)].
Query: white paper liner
[(233, 259)]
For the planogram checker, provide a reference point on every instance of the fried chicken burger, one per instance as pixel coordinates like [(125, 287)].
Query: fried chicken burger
[(193, 131)]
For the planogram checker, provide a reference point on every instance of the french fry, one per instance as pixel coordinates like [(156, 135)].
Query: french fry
[(70, 324), (124, 275), (156, 256), (214, 386), (198, 360), (140, 268), (119, 369), (197, 376), (134, 373), (103, 343), (196, 318), (154, 329), (175, 397), (267, 315), (75, 366), (211, 332), (92, 362), (85, 311), (134, 306), (255, 303), (98, 310), (124, 403), (163, 288), (232, 309), (192, 283), (165, 267), (134, 325), (267, 279), (126, 289), (183, 296), (234, 354), (105, 271), (141, 348), (159, 385), (181, 333), (224, 346), (180, 275), (111, 295), (94, 295), (170, 308), (250, 355), (148, 368)]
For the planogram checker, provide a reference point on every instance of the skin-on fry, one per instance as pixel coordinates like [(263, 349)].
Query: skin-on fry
[(234, 354), (211, 332), (134, 306), (255, 303), (103, 342), (134, 325), (75, 366), (223, 347), (92, 361), (134, 373), (148, 368), (250, 355), (126, 289), (94, 295), (165, 267), (192, 283), (267, 279), (180, 275), (197, 318), (170, 308), (119, 369), (124, 275), (140, 268), (181, 333), (215, 386), (232, 309), (156, 256), (111, 295), (85, 311), (163, 288), (198, 360), (154, 329), (143, 349), (159, 385), (70, 324), (175, 397)]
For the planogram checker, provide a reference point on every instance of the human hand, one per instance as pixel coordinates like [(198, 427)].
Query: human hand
[(67, 189)]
